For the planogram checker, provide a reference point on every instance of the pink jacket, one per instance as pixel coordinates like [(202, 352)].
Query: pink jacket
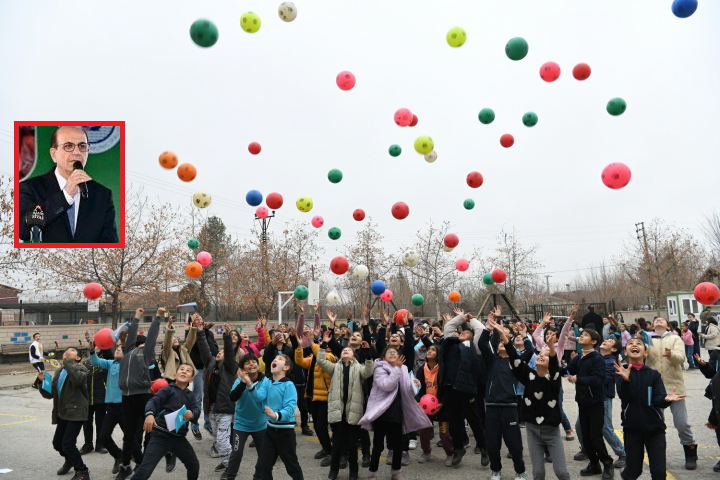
[(255, 346), (687, 338), (300, 326), (559, 346)]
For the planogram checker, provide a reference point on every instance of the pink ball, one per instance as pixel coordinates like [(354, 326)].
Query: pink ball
[(403, 117), (103, 339), (429, 404), (204, 259), (386, 296), (317, 221), (616, 175), (550, 71), (345, 80), (261, 212), (462, 264)]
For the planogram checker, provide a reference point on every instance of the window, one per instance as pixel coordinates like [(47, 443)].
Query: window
[(686, 306), (672, 307), (696, 309)]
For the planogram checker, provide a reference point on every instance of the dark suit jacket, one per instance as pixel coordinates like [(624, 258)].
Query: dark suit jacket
[(95, 221)]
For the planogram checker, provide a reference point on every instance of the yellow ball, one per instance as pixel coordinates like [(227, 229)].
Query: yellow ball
[(424, 144), (304, 204), (456, 37), (250, 22)]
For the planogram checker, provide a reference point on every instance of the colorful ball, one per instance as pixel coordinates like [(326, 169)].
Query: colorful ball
[(253, 198), (301, 292), (417, 300), (410, 258), (201, 199), (332, 298), (103, 339), (186, 172), (414, 121), (403, 117), (707, 293), (451, 240), (498, 275), (516, 48), (377, 287), (456, 37), (359, 214), (250, 22), (581, 71), (616, 107), (386, 296), (287, 11), (335, 175), (424, 144), (168, 160), (431, 157), (530, 119), (429, 404), (317, 221), (254, 148), (395, 150), (684, 8), (454, 296), (474, 179), (261, 212), (469, 204), (158, 384), (334, 233), (462, 264), (486, 116), (345, 80), (447, 249), (274, 201), (193, 269), (360, 272), (400, 210), (550, 71), (507, 140), (304, 204), (92, 291), (339, 265), (487, 279), (204, 33), (193, 244), (399, 316), (616, 175), (204, 259)]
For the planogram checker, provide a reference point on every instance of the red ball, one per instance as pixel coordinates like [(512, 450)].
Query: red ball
[(498, 275), (550, 71), (451, 240), (707, 293), (103, 339), (414, 120), (274, 201), (400, 316), (359, 214), (507, 140), (339, 265), (158, 384), (92, 291), (581, 71), (429, 404), (400, 210), (387, 295), (254, 148), (474, 179), (616, 175)]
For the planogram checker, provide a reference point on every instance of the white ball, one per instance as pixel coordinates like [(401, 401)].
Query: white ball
[(431, 157), (410, 258), (333, 298), (201, 199), (360, 272), (447, 249), (287, 11)]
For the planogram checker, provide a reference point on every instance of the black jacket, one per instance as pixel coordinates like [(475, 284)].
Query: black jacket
[(595, 319), (168, 400), (460, 367), (72, 403), (542, 394), (195, 351), (228, 370), (590, 372), (501, 388), (95, 220), (135, 375), (642, 400), (612, 380), (298, 373), (96, 383)]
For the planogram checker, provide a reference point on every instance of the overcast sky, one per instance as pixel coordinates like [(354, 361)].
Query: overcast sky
[(135, 61)]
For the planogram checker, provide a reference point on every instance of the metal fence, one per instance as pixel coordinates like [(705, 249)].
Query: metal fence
[(563, 310)]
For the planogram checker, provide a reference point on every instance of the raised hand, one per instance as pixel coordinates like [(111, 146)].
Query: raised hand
[(419, 331), (458, 311), (187, 326), (170, 321), (673, 397), (364, 345), (624, 372), (139, 312), (87, 336), (226, 328), (161, 311), (446, 316), (400, 361), (700, 360), (385, 317), (331, 316), (363, 311), (317, 307), (574, 310), (327, 336), (299, 340), (263, 320), (551, 339), (300, 306), (316, 332), (349, 314), (546, 318), (498, 311), (522, 329), (244, 377)]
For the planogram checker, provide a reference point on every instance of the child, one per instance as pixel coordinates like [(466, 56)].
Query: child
[(587, 372), (687, 337), (610, 350), (642, 395), (280, 403), (96, 380), (70, 410), (345, 404), (249, 418), (166, 438), (624, 337), (173, 354), (427, 379), (541, 411), (37, 359)]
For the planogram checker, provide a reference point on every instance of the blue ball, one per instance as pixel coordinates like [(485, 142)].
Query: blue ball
[(254, 198), (684, 8), (378, 287)]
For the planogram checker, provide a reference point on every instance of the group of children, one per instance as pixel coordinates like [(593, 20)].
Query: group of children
[(369, 376)]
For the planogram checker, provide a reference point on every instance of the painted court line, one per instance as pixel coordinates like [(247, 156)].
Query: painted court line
[(32, 419)]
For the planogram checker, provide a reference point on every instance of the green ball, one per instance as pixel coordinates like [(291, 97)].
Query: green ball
[(301, 292), (335, 175), (204, 33), (516, 48), (469, 204), (395, 150), (486, 116), (334, 233), (487, 279), (616, 106), (192, 243), (417, 300), (530, 119)]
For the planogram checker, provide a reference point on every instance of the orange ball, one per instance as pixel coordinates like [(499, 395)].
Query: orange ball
[(193, 269), (168, 160), (454, 296), (186, 172)]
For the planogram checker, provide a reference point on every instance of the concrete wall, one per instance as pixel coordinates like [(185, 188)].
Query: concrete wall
[(629, 316)]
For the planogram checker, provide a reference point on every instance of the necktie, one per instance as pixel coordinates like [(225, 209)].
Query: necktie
[(71, 217)]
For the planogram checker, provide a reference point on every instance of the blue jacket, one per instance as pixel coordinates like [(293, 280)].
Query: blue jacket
[(250, 409), (170, 399), (590, 372), (612, 380), (643, 401), (282, 399), (112, 388)]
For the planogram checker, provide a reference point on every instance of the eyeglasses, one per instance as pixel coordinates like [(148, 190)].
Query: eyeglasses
[(69, 146)]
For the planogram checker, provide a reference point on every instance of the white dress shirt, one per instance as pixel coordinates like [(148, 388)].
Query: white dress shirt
[(74, 199)]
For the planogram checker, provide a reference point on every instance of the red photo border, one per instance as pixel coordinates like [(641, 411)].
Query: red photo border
[(16, 199)]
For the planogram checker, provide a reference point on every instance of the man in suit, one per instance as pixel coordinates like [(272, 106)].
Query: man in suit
[(74, 213)]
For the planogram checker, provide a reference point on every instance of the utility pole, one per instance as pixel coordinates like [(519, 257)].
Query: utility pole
[(547, 280), (641, 236)]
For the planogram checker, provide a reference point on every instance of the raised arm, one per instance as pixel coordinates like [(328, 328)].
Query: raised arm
[(76, 373), (191, 338), (132, 331), (452, 325), (151, 338), (205, 354), (167, 343), (229, 363), (327, 367)]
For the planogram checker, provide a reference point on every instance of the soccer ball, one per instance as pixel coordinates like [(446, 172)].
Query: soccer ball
[(250, 22), (287, 11), (202, 199), (447, 249), (424, 144), (431, 157), (410, 258), (360, 272), (332, 298), (304, 204)]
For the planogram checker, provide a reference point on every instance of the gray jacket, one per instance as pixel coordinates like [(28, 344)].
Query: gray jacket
[(134, 376), (354, 405), (228, 370)]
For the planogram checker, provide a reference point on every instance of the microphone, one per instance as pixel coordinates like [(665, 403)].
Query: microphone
[(35, 219), (82, 186)]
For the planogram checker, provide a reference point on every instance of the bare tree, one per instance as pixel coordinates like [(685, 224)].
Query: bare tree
[(711, 230), (520, 264), (11, 259)]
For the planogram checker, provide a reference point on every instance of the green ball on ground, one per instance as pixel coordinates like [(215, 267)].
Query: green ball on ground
[(469, 204), (395, 150), (417, 300), (516, 48), (486, 116), (204, 33), (335, 175), (530, 119)]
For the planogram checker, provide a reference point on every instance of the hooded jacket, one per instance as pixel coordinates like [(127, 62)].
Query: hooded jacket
[(643, 400), (353, 407), (195, 350), (282, 399), (171, 399), (71, 404), (670, 368), (249, 410), (316, 391), (134, 375), (271, 351), (541, 397), (173, 358), (96, 382), (112, 389), (590, 372), (228, 369), (501, 388)]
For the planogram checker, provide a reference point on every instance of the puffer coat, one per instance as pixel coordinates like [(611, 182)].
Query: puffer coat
[(321, 380), (353, 407)]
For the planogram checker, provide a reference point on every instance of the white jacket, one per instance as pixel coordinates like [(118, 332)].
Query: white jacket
[(670, 368)]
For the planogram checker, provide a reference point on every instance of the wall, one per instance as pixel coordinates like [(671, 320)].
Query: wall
[(629, 316)]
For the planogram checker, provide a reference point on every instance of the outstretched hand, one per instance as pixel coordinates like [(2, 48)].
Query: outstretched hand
[(673, 397), (331, 316), (458, 311), (624, 372), (700, 360)]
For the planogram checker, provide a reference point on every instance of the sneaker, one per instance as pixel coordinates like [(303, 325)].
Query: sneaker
[(307, 431), (322, 454), (343, 462), (608, 470), (124, 472), (116, 466), (397, 476), (353, 476), (619, 463), (716, 468), (448, 461), (413, 445), (371, 474), (520, 476), (591, 469), (326, 461), (485, 458), (405, 459), (569, 435), (457, 457), (495, 475), (213, 452), (439, 443), (224, 475), (209, 429), (87, 448), (100, 449), (388, 461), (196, 434), (425, 457), (82, 475), (365, 461), (65, 469), (581, 456), (332, 475), (170, 463), (220, 468)]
